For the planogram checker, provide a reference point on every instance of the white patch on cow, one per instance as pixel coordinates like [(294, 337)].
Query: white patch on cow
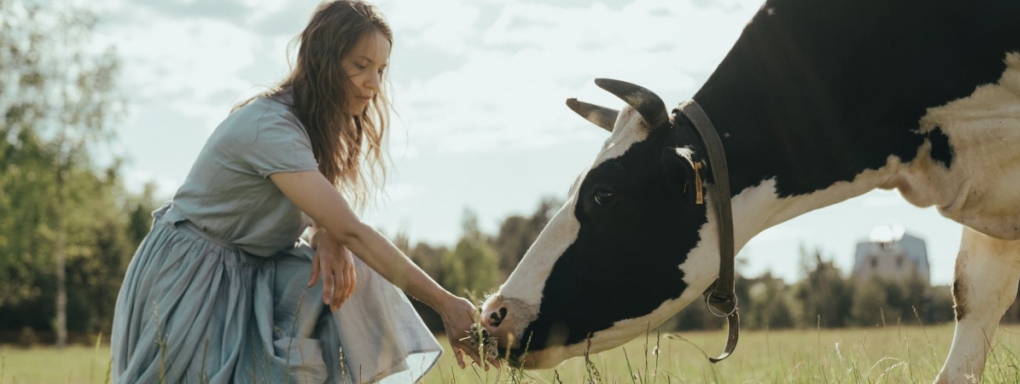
[(576, 183), (629, 129), (979, 188), (528, 279)]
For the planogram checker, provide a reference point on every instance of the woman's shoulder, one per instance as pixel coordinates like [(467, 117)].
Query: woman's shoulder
[(266, 137), (264, 115), (267, 108)]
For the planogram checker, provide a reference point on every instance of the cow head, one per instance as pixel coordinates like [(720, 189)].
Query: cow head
[(629, 248)]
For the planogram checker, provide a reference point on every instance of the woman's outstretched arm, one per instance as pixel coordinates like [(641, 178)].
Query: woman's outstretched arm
[(316, 197)]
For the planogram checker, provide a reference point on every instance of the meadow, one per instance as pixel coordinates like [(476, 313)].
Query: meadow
[(881, 354)]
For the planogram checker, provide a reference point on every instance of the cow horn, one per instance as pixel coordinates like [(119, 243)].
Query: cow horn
[(646, 102), (601, 116)]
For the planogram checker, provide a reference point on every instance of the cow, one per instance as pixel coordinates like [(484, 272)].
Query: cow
[(816, 102)]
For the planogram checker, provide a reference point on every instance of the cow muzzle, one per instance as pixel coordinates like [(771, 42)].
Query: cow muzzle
[(505, 320)]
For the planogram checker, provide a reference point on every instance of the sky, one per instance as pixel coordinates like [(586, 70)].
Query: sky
[(479, 89)]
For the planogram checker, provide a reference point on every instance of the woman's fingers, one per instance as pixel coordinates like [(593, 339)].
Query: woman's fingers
[(460, 357), (473, 353), (494, 362), (352, 279), (339, 299), (339, 285), (328, 283)]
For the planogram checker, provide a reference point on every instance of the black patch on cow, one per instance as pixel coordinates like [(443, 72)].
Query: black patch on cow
[(625, 260), (941, 152), (816, 92)]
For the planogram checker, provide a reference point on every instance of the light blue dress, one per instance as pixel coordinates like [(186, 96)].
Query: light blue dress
[(216, 293)]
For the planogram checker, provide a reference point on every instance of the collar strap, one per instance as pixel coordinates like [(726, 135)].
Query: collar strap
[(720, 296)]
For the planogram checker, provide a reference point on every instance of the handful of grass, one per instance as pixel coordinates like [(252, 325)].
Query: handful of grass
[(486, 344)]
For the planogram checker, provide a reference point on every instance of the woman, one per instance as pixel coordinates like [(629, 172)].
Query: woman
[(218, 292)]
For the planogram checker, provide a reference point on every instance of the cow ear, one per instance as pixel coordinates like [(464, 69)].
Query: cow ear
[(682, 174)]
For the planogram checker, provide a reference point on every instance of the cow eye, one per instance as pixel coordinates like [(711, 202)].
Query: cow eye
[(604, 197)]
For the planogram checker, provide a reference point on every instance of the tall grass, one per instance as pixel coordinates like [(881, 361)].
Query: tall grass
[(892, 353)]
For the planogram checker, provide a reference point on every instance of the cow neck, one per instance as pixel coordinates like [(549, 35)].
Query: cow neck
[(720, 297)]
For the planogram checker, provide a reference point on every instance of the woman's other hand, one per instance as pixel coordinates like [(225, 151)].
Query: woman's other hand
[(458, 316), (334, 263)]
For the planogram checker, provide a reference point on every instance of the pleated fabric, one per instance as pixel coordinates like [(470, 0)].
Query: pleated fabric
[(195, 309)]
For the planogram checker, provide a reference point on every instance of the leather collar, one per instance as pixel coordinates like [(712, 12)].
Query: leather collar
[(720, 297)]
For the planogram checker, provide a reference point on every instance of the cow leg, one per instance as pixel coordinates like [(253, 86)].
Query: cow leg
[(984, 285)]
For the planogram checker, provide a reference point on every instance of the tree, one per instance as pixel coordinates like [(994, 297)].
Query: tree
[(825, 295), (140, 213), (24, 177), (880, 301), (765, 302), (517, 233), (429, 258), (472, 267), (52, 87)]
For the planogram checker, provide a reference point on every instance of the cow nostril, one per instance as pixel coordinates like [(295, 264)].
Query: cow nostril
[(496, 317)]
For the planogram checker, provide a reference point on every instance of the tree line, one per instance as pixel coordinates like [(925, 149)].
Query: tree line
[(68, 225)]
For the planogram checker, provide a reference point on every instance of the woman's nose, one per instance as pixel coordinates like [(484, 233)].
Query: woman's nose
[(374, 80)]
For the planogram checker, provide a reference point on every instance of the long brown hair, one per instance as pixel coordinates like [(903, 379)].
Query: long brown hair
[(320, 89)]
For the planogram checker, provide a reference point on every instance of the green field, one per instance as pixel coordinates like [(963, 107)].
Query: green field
[(890, 354)]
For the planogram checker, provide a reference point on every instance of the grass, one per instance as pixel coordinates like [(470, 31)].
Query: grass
[(891, 354), (74, 364)]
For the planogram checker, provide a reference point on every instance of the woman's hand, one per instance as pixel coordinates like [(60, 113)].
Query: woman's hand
[(334, 263), (458, 316)]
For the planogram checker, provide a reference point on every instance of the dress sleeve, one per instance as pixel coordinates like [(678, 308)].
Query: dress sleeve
[(278, 144)]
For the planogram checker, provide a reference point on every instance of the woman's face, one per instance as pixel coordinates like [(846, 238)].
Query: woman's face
[(364, 65)]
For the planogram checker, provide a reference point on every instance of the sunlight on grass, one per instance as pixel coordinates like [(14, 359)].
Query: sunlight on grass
[(891, 354)]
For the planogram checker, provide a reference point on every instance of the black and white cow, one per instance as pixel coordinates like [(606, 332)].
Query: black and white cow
[(817, 102)]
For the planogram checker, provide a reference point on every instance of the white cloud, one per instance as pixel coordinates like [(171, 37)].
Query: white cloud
[(508, 92), (443, 25), (190, 65)]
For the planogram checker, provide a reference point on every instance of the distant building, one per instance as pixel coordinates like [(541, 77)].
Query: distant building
[(892, 254)]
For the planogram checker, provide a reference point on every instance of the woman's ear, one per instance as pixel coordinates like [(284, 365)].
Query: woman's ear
[(682, 174)]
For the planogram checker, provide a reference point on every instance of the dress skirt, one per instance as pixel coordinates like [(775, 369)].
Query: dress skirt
[(194, 309)]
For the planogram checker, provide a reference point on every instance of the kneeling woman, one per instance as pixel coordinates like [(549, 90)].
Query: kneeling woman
[(222, 290)]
